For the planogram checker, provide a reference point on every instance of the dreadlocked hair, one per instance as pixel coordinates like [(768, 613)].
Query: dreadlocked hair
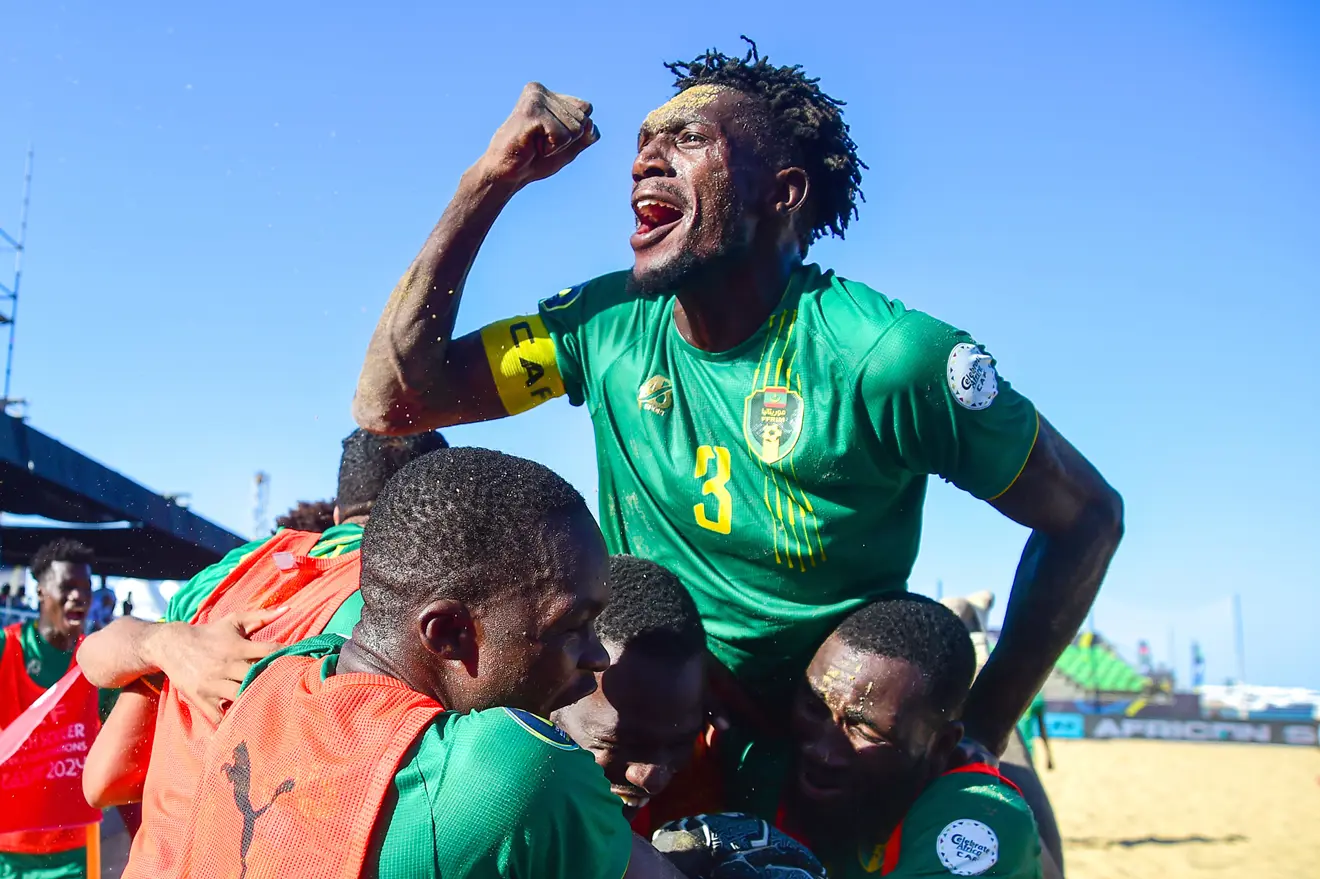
[(802, 117)]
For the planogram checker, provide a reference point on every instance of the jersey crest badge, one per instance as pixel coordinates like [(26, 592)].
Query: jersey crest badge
[(656, 395), (542, 729), (972, 378), (772, 422), (967, 847)]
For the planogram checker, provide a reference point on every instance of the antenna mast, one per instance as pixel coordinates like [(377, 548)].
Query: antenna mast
[(9, 295)]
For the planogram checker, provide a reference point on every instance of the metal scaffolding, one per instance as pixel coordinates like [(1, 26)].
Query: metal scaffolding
[(9, 293)]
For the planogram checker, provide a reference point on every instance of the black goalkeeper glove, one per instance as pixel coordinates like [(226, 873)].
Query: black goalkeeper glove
[(734, 846)]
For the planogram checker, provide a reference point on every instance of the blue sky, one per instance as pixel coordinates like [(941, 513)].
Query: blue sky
[(1120, 202)]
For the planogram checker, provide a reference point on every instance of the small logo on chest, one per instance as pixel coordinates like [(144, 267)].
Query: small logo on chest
[(772, 422), (656, 395)]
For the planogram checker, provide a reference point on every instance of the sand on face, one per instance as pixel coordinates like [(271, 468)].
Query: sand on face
[(1180, 810)]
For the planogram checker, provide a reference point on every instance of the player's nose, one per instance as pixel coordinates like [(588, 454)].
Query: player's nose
[(651, 162)]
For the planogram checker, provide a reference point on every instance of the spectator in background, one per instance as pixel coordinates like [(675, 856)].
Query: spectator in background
[(34, 655), (101, 611), (1032, 725), (313, 516), (128, 605)]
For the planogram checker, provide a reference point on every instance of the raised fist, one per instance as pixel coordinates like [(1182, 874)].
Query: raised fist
[(545, 132)]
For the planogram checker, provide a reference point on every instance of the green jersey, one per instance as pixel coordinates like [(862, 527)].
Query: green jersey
[(496, 793), (334, 542), (45, 664), (781, 480), (963, 824), (1032, 723)]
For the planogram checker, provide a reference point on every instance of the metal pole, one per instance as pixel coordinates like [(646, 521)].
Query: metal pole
[(1240, 637), (18, 271)]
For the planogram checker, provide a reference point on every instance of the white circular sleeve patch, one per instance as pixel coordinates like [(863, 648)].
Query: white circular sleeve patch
[(967, 847), (972, 376)]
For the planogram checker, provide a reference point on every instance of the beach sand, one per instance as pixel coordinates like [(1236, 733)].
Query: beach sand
[(1176, 810)]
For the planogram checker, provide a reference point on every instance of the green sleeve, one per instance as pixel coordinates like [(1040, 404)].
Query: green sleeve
[(193, 594), (938, 402), (591, 324), (500, 793), (969, 825)]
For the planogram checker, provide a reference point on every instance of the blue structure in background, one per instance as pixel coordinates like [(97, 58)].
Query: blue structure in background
[(134, 531)]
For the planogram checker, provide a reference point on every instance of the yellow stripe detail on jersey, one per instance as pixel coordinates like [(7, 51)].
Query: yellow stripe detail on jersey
[(1034, 439), (521, 355)]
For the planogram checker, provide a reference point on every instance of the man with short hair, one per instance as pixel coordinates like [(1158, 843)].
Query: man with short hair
[(418, 746), (874, 783), (33, 658), (764, 428), (268, 593), (646, 718)]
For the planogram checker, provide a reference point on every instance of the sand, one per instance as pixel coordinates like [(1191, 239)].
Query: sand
[(1175, 810)]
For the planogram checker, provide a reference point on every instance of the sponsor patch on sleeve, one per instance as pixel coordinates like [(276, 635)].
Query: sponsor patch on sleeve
[(563, 299), (967, 848), (972, 378), (542, 729)]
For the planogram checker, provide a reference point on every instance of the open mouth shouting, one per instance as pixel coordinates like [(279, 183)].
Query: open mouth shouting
[(657, 214)]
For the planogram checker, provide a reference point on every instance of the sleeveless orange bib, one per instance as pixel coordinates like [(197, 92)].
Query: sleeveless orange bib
[(17, 693), (293, 780), (278, 574)]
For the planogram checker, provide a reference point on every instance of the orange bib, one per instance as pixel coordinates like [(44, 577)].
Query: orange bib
[(294, 779), (280, 573), (17, 693)]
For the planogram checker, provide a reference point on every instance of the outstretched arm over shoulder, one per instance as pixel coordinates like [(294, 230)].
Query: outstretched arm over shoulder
[(116, 766)]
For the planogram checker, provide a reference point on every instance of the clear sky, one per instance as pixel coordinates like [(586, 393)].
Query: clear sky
[(1120, 202)]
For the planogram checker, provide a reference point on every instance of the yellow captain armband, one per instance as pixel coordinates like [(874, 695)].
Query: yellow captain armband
[(522, 361)]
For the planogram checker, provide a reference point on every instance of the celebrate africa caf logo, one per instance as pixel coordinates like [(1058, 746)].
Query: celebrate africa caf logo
[(772, 422)]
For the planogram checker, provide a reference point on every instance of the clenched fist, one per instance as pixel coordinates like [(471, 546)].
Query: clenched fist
[(545, 132)]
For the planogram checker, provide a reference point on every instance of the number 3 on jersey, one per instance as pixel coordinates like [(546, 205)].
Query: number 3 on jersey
[(716, 484)]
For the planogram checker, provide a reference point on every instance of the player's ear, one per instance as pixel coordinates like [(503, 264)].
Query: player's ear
[(945, 742), (791, 189), (338, 520), (447, 631)]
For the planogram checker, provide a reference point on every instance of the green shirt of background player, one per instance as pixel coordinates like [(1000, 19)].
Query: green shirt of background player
[(207, 661), (764, 429)]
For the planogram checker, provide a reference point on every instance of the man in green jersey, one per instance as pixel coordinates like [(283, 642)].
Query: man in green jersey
[(207, 661), (871, 787), (764, 428), (33, 657), (482, 576)]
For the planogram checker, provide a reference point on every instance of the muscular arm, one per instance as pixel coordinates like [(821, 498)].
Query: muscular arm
[(121, 653), (416, 376), (206, 662), (1077, 522), (117, 763)]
